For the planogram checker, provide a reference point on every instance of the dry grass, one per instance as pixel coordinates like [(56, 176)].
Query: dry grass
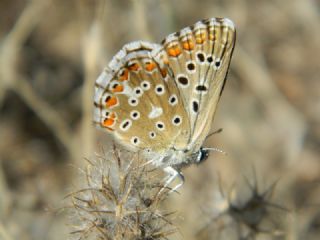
[(51, 51)]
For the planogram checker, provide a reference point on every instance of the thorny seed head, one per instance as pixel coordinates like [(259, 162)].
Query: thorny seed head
[(250, 216), (256, 210), (120, 200)]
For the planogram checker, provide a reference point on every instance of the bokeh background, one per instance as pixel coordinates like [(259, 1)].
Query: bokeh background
[(51, 52)]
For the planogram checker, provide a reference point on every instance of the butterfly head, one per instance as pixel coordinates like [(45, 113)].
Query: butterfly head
[(203, 155)]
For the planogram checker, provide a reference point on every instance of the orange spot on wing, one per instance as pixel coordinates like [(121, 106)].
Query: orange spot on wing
[(124, 76), (111, 101), (174, 51), (134, 67), (171, 52), (178, 51), (163, 72), (199, 41), (113, 115), (165, 60), (211, 36), (150, 66), (118, 88), (108, 122), (188, 45), (200, 37)]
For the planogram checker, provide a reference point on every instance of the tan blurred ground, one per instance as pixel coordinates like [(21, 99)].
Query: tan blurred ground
[(51, 53)]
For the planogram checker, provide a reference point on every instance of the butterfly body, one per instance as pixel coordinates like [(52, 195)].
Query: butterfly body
[(160, 99)]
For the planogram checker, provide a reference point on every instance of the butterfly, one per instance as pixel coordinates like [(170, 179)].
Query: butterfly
[(160, 99)]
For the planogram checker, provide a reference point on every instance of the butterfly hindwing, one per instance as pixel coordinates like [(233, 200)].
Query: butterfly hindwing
[(137, 100)]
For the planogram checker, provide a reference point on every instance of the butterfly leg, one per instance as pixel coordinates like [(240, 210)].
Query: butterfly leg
[(172, 174)]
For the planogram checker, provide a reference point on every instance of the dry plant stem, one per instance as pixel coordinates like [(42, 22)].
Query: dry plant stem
[(14, 40), (104, 16), (91, 50), (93, 57), (10, 49), (46, 113), (140, 19), (5, 196), (168, 14), (11, 45)]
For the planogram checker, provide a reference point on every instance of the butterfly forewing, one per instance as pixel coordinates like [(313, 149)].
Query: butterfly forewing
[(199, 56)]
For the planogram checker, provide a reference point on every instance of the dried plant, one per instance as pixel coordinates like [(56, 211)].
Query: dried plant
[(245, 218), (120, 200)]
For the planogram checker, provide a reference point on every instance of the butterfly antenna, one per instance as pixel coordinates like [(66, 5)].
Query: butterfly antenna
[(215, 132), (215, 150)]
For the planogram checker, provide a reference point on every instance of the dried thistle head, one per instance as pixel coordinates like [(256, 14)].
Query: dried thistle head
[(120, 200), (250, 217), (257, 211)]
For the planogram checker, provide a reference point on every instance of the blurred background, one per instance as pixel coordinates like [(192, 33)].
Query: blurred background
[(51, 52)]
